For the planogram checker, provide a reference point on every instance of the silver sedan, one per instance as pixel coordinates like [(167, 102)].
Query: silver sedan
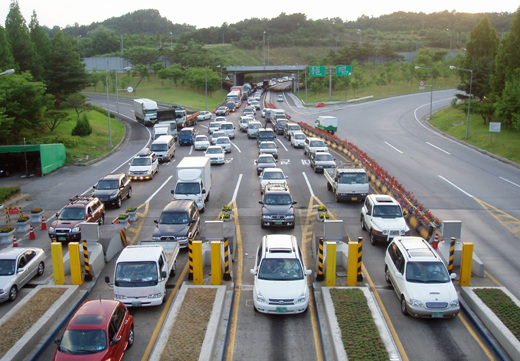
[(17, 267)]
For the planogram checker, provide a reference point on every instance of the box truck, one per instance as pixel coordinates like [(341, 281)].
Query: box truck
[(145, 111), (193, 180)]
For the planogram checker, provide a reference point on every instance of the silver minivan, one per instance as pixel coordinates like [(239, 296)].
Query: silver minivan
[(228, 128), (252, 129), (164, 148)]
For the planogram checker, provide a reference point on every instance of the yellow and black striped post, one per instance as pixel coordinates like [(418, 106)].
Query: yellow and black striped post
[(320, 276), (227, 275), (190, 257), (124, 240), (452, 254), (88, 275), (360, 257)]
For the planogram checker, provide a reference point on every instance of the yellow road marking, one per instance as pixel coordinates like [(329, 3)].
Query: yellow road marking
[(482, 345)]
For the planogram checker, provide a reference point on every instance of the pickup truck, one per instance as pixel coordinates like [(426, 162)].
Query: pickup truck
[(141, 273), (347, 183)]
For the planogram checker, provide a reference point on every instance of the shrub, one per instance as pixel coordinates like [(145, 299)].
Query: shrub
[(6, 192), (82, 127)]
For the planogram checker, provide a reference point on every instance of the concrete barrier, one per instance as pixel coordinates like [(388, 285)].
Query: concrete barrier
[(477, 266)]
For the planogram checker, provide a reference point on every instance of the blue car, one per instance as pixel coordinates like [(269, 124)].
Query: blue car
[(187, 136)]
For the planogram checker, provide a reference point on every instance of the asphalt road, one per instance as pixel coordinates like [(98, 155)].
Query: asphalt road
[(452, 180)]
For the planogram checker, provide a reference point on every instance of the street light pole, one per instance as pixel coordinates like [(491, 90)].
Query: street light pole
[(108, 112), (264, 49), (206, 91), (220, 66), (431, 89), (469, 95)]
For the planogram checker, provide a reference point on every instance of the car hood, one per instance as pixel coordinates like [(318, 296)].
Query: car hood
[(281, 289), (66, 223), (433, 292), (176, 230), (105, 192), (266, 165), (277, 209), (327, 164), (6, 282), (139, 168), (390, 223)]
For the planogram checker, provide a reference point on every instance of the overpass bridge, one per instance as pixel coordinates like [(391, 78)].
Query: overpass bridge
[(239, 72)]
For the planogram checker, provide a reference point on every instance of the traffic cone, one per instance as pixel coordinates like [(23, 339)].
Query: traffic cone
[(44, 225), (31, 233), (15, 242), (435, 242)]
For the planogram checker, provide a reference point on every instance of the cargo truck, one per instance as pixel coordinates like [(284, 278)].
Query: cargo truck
[(327, 123), (347, 183), (145, 111), (193, 180), (141, 273)]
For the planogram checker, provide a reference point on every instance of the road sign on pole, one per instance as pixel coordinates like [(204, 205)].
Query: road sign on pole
[(343, 70), (318, 70)]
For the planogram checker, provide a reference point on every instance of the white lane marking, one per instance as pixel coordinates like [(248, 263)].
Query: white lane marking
[(158, 189), (442, 150), (283, 145), (452, 184), (308, 184), (234, 145), (236, 188), (508, 181), (394, 148)]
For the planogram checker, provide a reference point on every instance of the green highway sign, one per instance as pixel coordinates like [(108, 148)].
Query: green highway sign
[(343, 70), (318, 70)]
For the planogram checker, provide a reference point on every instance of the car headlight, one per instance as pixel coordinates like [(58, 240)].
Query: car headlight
[(181, 238), (156, 238), (416, 302), (1, 291), (385, 232), (76, 229), (260, 298), (112, 196), (290, 217), (51, 230), (155, 295), (454, 303), (302, 298), (119, 297)]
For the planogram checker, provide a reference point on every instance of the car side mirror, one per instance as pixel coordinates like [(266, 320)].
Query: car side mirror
[(308, 272), (155, 221), (253, 271), (115, 341), (172, 191), (398, 275), (57, 341), (261, 202), (94, 186), (294, 202), (163, 274), (57, 214), (203, 191), (453, 276)]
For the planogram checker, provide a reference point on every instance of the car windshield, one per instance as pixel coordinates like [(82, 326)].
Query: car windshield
[(214, 151), (427, 272), (267, 146), (7, 267), (299, 136), (185, 133), (388, 211), (273, 175), (266, 160), (317, 143), (136, 274), (255, 126), (352, 178), (72, 214), (108, 184), (324, 157), (280, 269), (187, 188), (83, 342), (278, 199), (174, 218), (141, 161), (201, 138), (222, 140), (159, 147)]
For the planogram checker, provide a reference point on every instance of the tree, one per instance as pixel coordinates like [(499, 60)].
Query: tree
[(103, 41), (65, 73), (82, 127), (141, 55), (508, 105), (78, 102), (6, 58), (41, 41), (22, 47), (508, 56), (24, 102), (53, 118)]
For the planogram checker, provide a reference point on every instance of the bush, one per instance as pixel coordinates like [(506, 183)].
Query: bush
[(82, 127), (6, 192)]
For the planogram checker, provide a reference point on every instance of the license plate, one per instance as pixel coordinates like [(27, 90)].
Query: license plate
[(281, 309), (136, 304), (354, 198), (278, 223), (62, 238), (437, 314)]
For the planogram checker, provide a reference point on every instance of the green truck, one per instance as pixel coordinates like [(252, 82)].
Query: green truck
[(327, 123)]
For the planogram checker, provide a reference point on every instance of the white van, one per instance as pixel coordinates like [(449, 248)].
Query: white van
[(159, 130), (228, 128), (164, 148)]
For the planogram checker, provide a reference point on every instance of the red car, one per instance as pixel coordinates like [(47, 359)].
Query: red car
[(99, 330)]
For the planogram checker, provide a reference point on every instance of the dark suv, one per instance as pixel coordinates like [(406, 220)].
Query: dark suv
[(112, 189), (277, 206), (179, 221), (67, 226)]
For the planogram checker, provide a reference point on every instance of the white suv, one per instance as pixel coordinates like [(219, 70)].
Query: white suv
[(420, 279), (313, 145), (280, 282), (383, 217)]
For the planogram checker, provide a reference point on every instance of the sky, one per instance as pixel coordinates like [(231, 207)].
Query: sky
[(207, 13)]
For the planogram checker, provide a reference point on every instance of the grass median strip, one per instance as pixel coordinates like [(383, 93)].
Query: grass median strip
[(359, 332), (189, 328), (503, 307), (16, 326)]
